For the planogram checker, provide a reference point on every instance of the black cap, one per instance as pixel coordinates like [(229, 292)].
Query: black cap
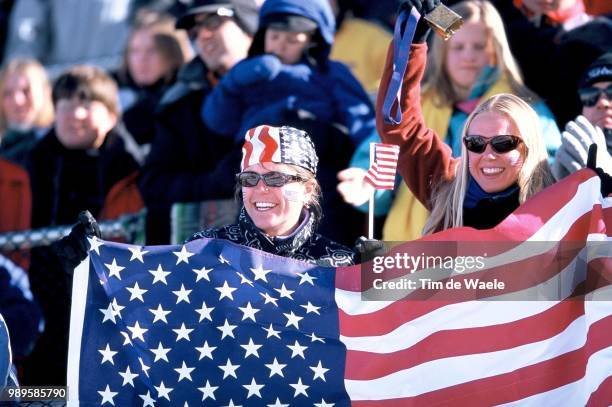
[(598, 71), (291, 22), (245, 12)]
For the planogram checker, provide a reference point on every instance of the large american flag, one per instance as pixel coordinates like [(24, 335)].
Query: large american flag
[(212, 323)]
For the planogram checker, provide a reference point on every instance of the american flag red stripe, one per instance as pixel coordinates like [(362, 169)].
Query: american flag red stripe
[(464, 352), (381, 174), (261, 145)]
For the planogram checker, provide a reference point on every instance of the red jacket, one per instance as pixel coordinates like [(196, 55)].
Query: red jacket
[(424, 159)]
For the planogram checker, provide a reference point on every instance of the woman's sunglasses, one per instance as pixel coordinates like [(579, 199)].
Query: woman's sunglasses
[(589, 96), (272, 179), (500, 144)]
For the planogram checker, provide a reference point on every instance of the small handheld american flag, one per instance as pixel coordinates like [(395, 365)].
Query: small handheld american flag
[(381, 174)]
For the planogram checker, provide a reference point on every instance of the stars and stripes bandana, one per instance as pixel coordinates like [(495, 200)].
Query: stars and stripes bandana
[(216, 324), (381, 174), (285, 145)]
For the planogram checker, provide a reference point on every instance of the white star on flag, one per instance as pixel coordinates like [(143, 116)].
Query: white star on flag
[(293, 319), (253, 388), (182, 333), (297, 349), (227, 329), (147, 400), (205, 312), (136, 292), (163, 391), (182, 294), (159, 275), (284, 292), (244, 280), (107, 354), (276, 368), (260, 273), (299, 388), (208, 391), (269, 299), (109, 313), (271, 332), (229, 369), (202, 274), (251, 349), (114, 269), (226, 291), (183, 256), (306, 278), (137, 253), (319, 371), (137, 331), (184, 372), (248, 312), (107, 395), (94, 244), (311, 308), (160, 314), (128, 377), (206, 351), (277, 403), (160, 353)]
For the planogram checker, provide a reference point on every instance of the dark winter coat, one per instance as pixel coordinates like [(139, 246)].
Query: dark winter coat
[(260, 89), (65, 181), (303, 244), (187, 162)]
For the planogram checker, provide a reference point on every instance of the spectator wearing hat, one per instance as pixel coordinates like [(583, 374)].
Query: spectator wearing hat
[(594, 125), (279, 196), (188, 161), (289, 79)]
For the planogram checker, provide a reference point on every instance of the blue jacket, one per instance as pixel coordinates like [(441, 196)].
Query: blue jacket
[(260, 89)]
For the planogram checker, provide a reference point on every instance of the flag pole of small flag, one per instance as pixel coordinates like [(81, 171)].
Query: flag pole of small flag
[(381, 174)]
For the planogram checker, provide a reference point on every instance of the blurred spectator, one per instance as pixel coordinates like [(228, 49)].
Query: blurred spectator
[(289, 79), (360, 44), (189, 162), (598, 7), (154, 53), (26, 111), (473, 65), (538, 32), (82, 163), (22, 314), (593, 126), (61, 33)]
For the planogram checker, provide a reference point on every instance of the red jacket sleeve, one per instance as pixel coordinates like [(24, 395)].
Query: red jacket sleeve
[(424, 159)]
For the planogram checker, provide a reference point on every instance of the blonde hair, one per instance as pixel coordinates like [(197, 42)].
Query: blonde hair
[(438, 83), (37, 77), (534, 175)]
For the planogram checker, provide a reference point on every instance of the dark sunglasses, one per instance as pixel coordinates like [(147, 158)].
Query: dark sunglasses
[(272, 179), (210, 22), (500, 144), (589, 96)]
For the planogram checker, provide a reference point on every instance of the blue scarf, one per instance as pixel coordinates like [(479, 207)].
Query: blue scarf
[(475, 193)]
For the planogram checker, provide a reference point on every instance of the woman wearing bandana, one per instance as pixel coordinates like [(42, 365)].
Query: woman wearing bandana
[(280, 199)]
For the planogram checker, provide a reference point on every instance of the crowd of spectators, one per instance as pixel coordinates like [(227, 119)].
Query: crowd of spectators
[(114, 106)]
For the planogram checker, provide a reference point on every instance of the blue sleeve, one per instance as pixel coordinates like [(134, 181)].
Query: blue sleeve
[(21, 313), (353, 105), (383, 198), (225, 106), (550, 131)]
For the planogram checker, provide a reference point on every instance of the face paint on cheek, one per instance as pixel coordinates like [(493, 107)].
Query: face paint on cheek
[(292, 195)]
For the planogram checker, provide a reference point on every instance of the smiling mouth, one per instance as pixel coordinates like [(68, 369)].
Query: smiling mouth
[(264, 206), (492, 171)]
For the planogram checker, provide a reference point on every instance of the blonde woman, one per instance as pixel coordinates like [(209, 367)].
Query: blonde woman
[(473, 65), (26, 110), (503, 159)]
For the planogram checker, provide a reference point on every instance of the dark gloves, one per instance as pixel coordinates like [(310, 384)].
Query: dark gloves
[(252, 71), (369, 248), (423, 7), (606, 179), (72, 249)]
